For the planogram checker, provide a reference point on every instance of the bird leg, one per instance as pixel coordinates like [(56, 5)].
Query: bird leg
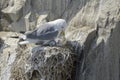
[(62, 36)]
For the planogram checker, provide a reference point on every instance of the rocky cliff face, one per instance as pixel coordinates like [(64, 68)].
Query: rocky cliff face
[(92, 25)]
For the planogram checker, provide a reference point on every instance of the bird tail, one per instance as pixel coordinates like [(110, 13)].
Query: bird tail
[(23, 42)]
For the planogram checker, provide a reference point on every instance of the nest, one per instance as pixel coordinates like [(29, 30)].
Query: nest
[(52, 64), (44, 63)]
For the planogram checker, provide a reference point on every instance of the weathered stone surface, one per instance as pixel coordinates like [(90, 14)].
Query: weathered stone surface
[(101, 54), (14, 9), (7, 54), (3, 21), (19, 9), (92, 24)]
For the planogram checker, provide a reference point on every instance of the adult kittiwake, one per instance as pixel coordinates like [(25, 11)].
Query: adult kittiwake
[(46, 32)]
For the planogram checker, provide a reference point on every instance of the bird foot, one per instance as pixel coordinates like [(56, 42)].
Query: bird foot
[(50, 43)]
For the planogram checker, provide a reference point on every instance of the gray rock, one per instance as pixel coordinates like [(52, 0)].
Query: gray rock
[(93, 33)]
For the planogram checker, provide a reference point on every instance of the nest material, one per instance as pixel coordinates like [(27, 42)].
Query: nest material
[(45, 63), (53, 64)]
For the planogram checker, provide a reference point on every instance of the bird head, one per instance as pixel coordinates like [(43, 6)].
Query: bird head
[(61, 24)]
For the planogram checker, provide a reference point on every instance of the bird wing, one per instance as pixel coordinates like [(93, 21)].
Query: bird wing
[(46, 28), (45, 32), (49, 35)]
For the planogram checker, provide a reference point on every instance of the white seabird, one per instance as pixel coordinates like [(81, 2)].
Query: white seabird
[(46, 32)]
